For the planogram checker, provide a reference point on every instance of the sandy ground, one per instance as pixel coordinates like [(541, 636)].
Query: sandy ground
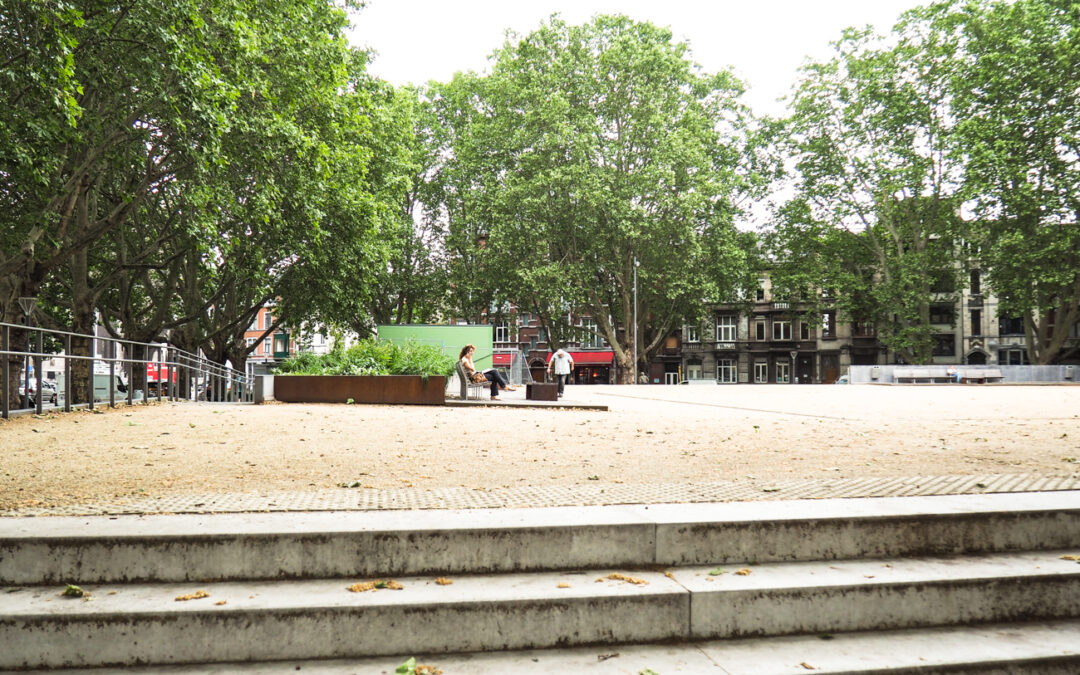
[(671, 435)]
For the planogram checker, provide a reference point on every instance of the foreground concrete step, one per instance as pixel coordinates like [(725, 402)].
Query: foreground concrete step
[(313, 545), (309, 619), (1048, 648)]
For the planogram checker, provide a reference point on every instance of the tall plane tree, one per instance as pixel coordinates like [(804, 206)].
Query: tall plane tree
[(611, 151)]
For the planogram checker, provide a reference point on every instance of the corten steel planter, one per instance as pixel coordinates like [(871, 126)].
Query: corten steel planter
[(391, 389)]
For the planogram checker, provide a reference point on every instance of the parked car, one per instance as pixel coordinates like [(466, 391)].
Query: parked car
[(48, 395)]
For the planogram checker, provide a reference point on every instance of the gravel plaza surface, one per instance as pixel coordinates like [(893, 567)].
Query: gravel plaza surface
[(653, 444)]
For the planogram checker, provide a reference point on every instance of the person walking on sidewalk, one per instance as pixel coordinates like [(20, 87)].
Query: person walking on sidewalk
[(562, 364)]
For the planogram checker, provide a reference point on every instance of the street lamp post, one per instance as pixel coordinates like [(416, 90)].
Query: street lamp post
[(792, 378), (633, 369)]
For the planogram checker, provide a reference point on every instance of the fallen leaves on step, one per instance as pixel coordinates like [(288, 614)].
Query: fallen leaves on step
[(743, 572), (443, 581), (605, 657), (564, 585), (424, 669), (192, 596), (1071, 557), (375, 585), (806, 665), (220, 603), (615, 576)]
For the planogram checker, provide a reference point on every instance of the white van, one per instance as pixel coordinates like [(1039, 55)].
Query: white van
[(101, 389)]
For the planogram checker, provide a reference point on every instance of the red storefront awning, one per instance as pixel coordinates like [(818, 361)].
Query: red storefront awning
[(589, 358)]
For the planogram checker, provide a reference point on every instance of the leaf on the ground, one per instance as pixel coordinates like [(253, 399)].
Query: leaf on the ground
[(770, 489), (1071, 557), (73, 591), (220, 602), (563, 584), (717, 572), (616, 576), (605, 657), (743, 572), (806, 665), (192, 596), (443, 581), (191, 424), (594, 477), (375, 585), (423, 669), (407, 668)]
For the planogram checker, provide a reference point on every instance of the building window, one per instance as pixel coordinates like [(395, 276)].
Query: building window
[(589, 338), (863, 329), (525, 318), (976, 282), (502, 333), (541, 335), (267, 320), (783, 372), (725, 328), (1011, 325), (761, 372), (692, 334), (976, 322), (944, 344), (781, 329), (725, 371), (942, 313), (1013, 357), (759, 329), (804, 330), (828, 325), (694, 371), (266, 346)]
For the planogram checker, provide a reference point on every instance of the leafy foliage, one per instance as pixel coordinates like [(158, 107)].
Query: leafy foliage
[(372, 357)]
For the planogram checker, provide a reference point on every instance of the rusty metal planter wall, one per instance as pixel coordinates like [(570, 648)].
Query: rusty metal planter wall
[(392, 389)]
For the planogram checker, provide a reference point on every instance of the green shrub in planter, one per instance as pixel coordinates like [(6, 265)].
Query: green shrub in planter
[(371, 357)]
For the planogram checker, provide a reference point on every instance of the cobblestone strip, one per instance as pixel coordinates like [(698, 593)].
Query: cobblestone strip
[(361, 499)]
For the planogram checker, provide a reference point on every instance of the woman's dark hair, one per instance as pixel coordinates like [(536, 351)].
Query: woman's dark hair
[(464, 351)]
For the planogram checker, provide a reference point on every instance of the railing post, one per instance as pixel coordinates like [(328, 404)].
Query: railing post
[(67, 373), (129, 366), (37, 370), (112, 374), (5, 378), (159, 373), (93, 388)]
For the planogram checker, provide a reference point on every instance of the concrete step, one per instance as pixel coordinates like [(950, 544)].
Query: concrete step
[(1048, 648), (131, 624), (227, 547)]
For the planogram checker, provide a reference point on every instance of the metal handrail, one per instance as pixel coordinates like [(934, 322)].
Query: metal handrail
[(205, 377)]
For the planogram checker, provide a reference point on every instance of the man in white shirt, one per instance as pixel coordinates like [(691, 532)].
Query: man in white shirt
[(562, 364)]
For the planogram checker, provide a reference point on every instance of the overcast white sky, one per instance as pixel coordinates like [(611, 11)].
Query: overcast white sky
[(764, 40)]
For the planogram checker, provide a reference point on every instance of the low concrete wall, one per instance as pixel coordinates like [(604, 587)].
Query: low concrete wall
[(1009, 374), (264, 388)]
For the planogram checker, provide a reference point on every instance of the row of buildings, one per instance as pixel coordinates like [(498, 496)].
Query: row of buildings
[(775, 344)]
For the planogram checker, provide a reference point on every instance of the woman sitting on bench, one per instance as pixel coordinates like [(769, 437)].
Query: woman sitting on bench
[(491, 375)]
